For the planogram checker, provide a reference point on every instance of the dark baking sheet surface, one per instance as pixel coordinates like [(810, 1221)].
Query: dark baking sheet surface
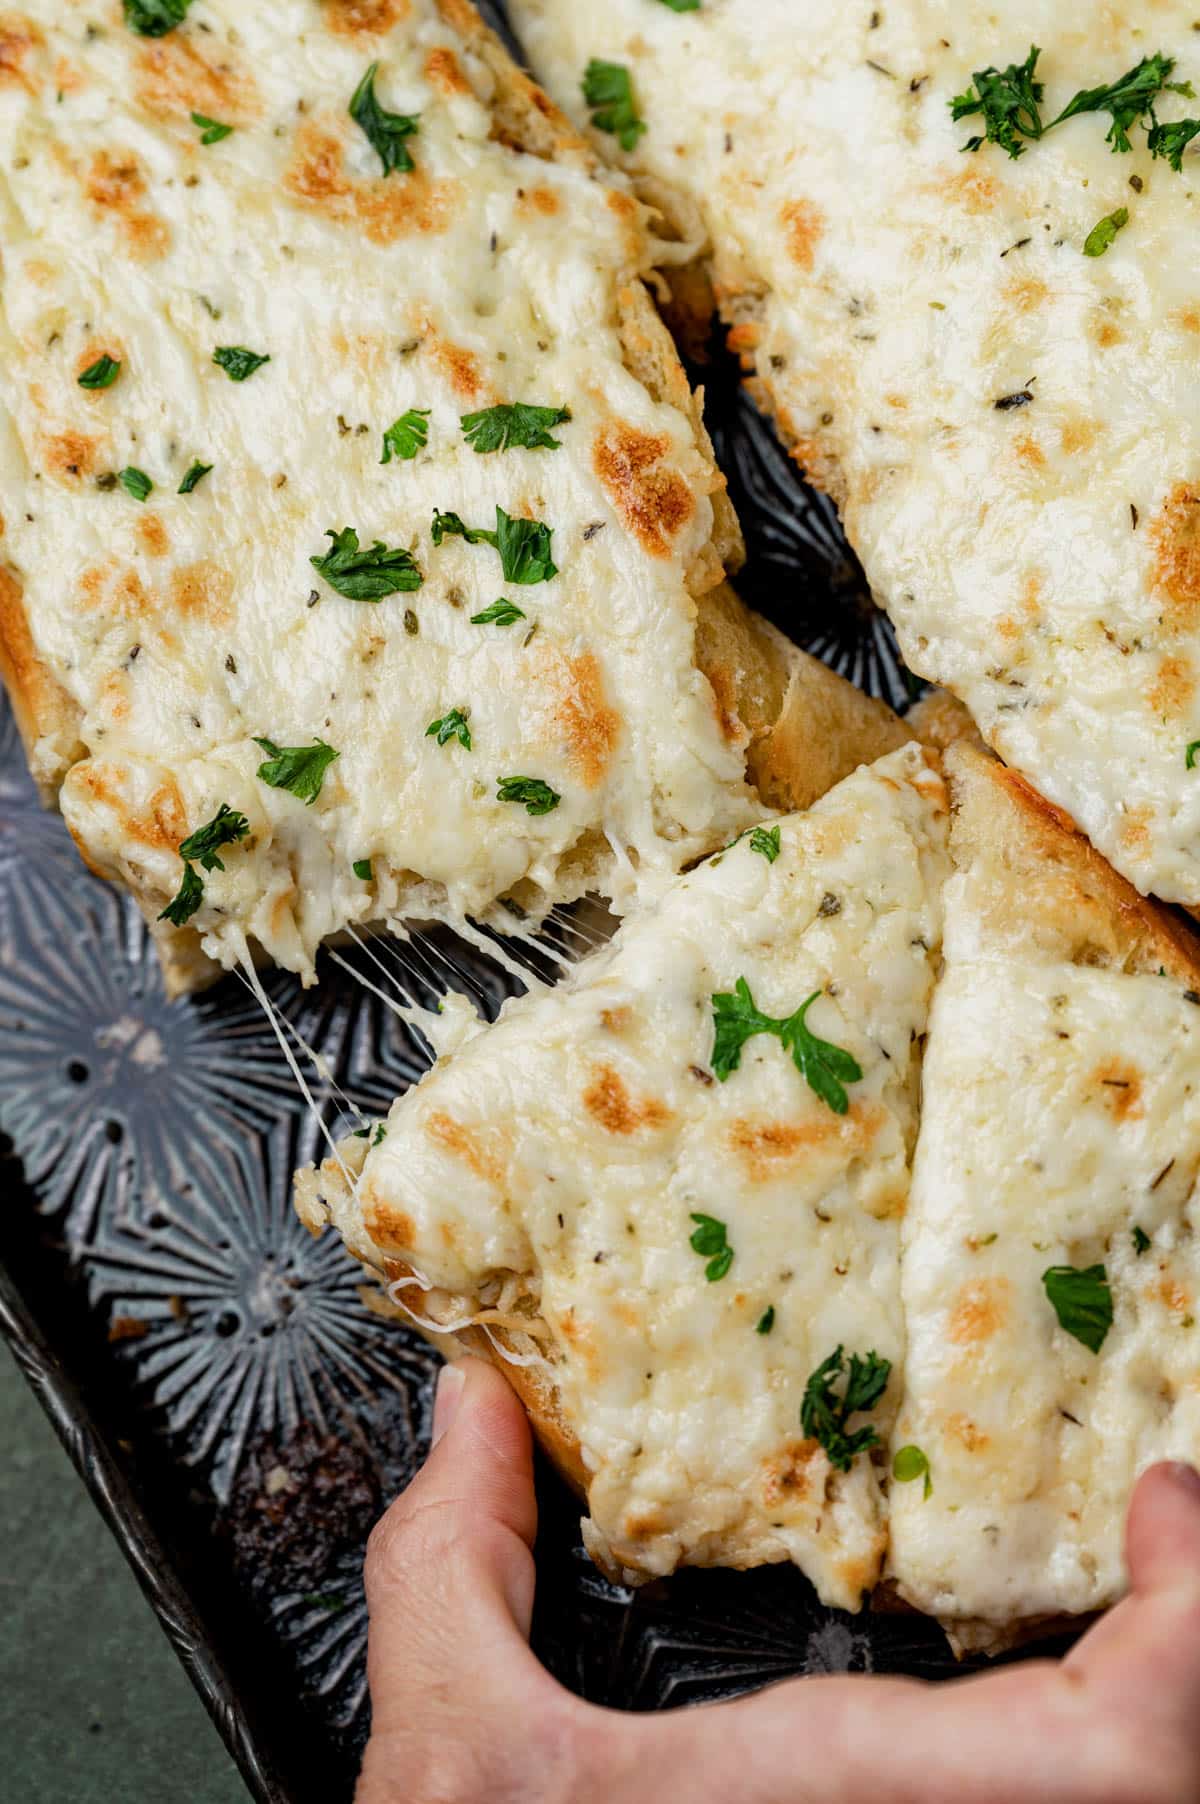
[(238, 1416)]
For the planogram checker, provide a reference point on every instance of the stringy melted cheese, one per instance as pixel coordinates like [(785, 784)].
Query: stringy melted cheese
[(1040, 560), (184, 627), (1061, 1107), (571, 1144)]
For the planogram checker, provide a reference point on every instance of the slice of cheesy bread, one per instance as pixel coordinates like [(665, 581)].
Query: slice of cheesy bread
[(1060, 1128), (534, 1199), (282, 286), (988, 360), (676, 1234)]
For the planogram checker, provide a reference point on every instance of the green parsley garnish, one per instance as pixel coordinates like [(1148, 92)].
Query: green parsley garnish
[(226, 828), (362, 869), (682, 6), (135, 482), (825, 1068), (297, 768), (1171, 140), (194, 477), (190, 894), (101, 374), (1082, 1302), (608, 90), (211, 130), (366, 575), (1104, 231), (501, 613), (709, 1240), (450, 726), (537, 797), (824, 1414), (765, 841), (386, 131), (909, 1464), (766, 1320), (1129, 99), (524, 545), (516, 424), (406, 436), (1189, 757), (1141, 1241), (379, 1137), (155, 18), (1010, 102), (237, 362)]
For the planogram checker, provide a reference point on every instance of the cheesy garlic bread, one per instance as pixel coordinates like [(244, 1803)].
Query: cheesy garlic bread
[(360, 538), (823, 1216), (957, 245)]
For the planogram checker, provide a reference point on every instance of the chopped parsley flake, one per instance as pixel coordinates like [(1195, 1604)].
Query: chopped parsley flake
[(406, 436), (211, 130), (766, 1320), (366, 575), (710, 1241), (608, 91), (1141, 1241), (362, 869), (135, 482), (524, 545), (1009, 100), (451, 726), (537, 797), (226, 828), (101, 374), (299, 769), (237, 362), (377, 1139), (501, 613), (189, 895), (1130, 99), (514, 424), (385, 131), (824, 1413), (194, 477), (910, 1464), (1104, 231), (825, 1068), (1082, 1302), (765, 841), (682, 6), (1189, 757), (155, 18)]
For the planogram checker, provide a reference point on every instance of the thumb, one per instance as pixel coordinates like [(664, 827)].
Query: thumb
[(449, 1571), (1162, 1535)]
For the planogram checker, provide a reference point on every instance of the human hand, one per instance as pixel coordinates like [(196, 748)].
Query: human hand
[(465, 1714)]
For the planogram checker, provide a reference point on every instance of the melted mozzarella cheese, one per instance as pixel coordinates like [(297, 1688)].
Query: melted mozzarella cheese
[(182, 628), (1039, 558), (572, 1144), (1061, 1108)]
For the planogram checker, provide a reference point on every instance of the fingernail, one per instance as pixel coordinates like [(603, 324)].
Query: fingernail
[(1185, 1476), (447, 1398)]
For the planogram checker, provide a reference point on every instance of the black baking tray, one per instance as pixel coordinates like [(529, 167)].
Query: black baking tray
[(237, 1415)]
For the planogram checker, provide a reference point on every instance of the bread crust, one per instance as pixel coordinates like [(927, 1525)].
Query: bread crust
[(47, 718)]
